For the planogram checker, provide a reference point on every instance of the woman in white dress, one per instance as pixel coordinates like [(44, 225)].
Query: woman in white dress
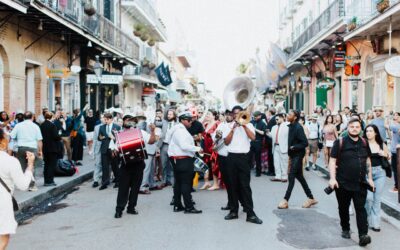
[(12, 175)]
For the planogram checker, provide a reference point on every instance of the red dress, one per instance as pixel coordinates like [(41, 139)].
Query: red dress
[(208, 142)]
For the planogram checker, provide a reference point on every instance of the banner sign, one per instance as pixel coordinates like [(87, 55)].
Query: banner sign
[(163, 74), (105, 79)]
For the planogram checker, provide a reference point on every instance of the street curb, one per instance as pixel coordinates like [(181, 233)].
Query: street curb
[(53, 192), (392, 210)]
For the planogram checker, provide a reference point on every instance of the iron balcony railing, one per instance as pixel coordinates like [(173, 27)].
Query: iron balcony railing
[(331, 15), (150, 11), (96, 25)]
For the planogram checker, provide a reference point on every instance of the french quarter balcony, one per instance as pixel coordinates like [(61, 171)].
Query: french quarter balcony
[(327, 23), (96, 28), (145, 13), (13, 4)]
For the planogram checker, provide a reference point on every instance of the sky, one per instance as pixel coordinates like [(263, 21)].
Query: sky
[(222, 33)]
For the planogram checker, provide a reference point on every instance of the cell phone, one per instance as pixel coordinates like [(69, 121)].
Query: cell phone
[(328, 190)]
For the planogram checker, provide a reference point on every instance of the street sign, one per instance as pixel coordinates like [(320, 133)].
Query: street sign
[(340, 56)]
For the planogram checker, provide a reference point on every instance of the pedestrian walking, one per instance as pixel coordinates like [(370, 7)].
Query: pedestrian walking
[(11, 177), (238, 142), (297, 143), (380, 122), (394, 143), (106, 134), (313, 140), (181, 151), (279, 134), (90, 122), (379, 151), (271, 123), (131, 171), (97, 173), (329, 135), (256, 145), (78, 135), (29, 139), (348, 166), (51, 148)]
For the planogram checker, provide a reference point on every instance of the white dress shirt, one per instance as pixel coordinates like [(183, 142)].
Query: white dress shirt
[(282, 136), (181, 142), (225, 129), (27, 134), (240, 143)]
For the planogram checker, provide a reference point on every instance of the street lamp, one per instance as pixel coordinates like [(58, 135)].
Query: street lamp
[(98, 71), (292, 84)]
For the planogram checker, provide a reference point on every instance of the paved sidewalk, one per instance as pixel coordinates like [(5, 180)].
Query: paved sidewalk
[(390, 202), (64, 184)]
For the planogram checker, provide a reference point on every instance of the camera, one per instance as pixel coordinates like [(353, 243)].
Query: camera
[(328, 190)]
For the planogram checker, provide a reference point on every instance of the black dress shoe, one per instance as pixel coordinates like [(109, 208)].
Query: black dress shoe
[(192, 211), (375, 229), (179, 209), (364, 240), (102, 187), (132, 211), (118, 215), (346, 234), (225, 208), (95, 184), (254, 219), (51, 184), (231, 216), (194, 203)]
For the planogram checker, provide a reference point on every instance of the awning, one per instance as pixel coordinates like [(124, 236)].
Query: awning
[(162, 95), (174, 96), (15, 5), (141, 78), (376, 25)]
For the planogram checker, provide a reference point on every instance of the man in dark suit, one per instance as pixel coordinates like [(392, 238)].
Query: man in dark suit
[(106, 134), (51, 148)]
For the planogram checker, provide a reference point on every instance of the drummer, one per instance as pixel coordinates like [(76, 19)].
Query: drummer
[(131, 173), (181, 152)]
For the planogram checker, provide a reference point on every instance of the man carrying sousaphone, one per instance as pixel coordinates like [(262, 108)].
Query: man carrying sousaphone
[(131, 172), (181, 152)]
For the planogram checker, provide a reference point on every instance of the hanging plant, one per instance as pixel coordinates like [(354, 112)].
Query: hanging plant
[(144, 37), (382, 5), (139, 29), (88, 8), (352, 25), (145, 62), (152, 65), (151, 42)]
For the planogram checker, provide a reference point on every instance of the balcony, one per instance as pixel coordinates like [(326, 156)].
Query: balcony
[(331, 16), (97, 26), (13, 4), (145, 13)]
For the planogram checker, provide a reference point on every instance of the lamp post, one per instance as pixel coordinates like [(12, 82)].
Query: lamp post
[(98, 71), (292, 84)]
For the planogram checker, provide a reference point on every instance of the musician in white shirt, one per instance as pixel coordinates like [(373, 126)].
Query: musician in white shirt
[(238, 142), (279, 135), (131, 173), (219, 136), (181, 152)]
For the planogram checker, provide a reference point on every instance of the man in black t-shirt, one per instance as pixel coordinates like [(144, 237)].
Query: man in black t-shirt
[(90, 122), (257, 144), (348, 170)]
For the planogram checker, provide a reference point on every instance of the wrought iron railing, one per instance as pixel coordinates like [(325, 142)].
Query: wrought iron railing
[(96, 25), (331, 15), (150, 11)]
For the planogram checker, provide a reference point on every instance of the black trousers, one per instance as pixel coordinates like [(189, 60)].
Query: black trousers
[(106, 160), (223, 167), (183, 174), (344, 198), (296, 172), (271, 166), (50, 163), (131, 176), (255, 153), (77, 147), (239, 179)]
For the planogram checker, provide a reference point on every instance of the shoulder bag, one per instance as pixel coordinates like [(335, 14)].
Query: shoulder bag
[(386, 165), (14, 201)]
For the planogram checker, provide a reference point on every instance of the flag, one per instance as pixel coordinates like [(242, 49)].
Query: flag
[(168, 73), (162, 75)]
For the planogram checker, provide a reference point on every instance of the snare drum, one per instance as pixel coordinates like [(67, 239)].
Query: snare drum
[(131, 145), (200, 166)]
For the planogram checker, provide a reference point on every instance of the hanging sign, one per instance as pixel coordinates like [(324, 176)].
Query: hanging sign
[(340, 56), (57, 72), (326, 82), (105, 79), (279, 97)]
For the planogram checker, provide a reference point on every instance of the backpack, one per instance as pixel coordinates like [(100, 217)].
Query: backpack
[(64, 168)]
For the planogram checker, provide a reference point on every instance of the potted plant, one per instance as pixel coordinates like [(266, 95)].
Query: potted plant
[(145, 62), (152, 65), (382, 5), (88, 8), (144, 37), (352, 25), (139, 29)]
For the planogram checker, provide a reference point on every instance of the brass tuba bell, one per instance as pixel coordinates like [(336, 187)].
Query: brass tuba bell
[(243, 117), (239, 91)]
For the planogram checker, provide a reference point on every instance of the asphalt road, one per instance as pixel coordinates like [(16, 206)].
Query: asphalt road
[(85, 220)]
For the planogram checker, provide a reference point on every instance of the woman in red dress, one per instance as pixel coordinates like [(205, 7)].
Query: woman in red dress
[(210, 158)]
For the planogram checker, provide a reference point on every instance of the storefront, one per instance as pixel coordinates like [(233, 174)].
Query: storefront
[(103, 93)]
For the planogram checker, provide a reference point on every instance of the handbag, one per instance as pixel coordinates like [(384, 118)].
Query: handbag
[(73, 133), (386, 165), (14, 201)]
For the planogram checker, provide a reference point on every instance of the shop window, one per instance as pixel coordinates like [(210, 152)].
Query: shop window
[(30, 88)]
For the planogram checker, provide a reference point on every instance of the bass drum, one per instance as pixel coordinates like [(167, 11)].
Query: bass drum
[(131, 145)]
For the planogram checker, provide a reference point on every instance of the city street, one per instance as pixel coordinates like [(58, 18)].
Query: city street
[(87, 222)]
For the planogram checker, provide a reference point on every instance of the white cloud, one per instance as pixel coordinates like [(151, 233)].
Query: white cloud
[(223, 33)]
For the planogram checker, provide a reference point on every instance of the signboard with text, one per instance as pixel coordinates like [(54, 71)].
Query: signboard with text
[(105, 79)]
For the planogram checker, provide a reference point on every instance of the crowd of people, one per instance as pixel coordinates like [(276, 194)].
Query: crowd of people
[(273, 143)]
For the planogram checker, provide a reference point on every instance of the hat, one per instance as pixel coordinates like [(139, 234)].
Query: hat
[(128, 116), (185, 115), (380, 108), (314, 117), (140, 114), (257, 113)]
